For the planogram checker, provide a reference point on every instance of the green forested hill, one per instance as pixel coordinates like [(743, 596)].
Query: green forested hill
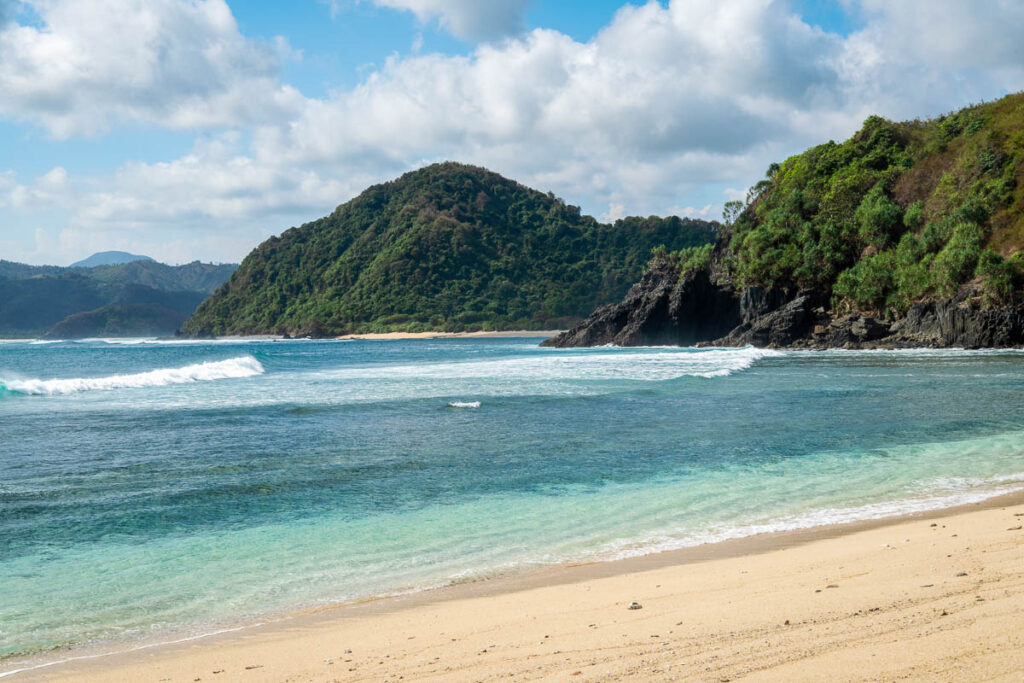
[(447, 247), (899, 213)]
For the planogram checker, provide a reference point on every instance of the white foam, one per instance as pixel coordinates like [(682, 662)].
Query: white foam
[(234, 368), (947, 494), (647, 364), (463, 404)]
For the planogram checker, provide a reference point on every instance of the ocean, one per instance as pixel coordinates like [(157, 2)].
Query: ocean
[(152, 490)]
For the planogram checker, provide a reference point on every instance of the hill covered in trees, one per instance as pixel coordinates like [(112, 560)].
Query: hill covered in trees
[(448, 247), (906, 234), (140, 298)]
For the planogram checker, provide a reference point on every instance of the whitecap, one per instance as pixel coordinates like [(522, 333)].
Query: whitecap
[(234, 368), (463, 404)]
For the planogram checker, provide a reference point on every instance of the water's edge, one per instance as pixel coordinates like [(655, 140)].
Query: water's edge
[(525, 579)]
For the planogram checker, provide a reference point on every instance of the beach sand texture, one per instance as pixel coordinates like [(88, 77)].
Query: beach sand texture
[(939, 597)]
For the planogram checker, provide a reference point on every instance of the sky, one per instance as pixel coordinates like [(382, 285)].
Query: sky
[(195, 129)]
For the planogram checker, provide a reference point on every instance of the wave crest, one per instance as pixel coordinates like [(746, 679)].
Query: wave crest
[(463, 404), (233, 368)]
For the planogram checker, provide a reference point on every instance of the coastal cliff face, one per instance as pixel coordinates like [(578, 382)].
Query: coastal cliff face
[(661, 309), (667, 307), (907, 234)]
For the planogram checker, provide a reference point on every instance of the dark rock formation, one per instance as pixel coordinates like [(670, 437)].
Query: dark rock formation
[(701, 308), (962, 320), (662, 309), (772, 319)]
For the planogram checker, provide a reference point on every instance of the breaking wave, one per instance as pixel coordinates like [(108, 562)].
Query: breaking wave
[(638, 364), (234, 368), (464, 404)]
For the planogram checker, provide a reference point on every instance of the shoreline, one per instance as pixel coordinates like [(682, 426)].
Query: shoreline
[(81, 664)]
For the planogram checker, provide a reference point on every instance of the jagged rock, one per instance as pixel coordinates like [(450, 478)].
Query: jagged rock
[(661, 309), (701, 308), (758, 301), (869, 329), (962, 321), (779, 326)]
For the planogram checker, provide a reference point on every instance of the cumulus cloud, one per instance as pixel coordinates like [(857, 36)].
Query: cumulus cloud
[(473, 20), (176, 64), (663, 99), (214, 181), (675, 106), (614, 213), (49, 190)]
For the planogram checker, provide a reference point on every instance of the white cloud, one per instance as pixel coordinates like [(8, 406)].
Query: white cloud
[(676, 105), (52, 189), (615, 212), (691, 212), (176, 64), (663, 100), (734, 194), (475, 20), (921, 57)]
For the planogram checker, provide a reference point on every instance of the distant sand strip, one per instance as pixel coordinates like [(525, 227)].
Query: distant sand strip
[(454, 335), (933, 597)]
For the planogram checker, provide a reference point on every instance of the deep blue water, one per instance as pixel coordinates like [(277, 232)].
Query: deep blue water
[(155, 489)]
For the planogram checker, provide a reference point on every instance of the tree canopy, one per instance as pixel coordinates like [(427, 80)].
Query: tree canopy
[(447, 247)]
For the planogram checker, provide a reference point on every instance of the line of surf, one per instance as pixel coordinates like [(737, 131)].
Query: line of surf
[(619, 364), (233, 368)]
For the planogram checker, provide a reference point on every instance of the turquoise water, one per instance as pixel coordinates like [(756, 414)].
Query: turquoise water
[(152, 490)]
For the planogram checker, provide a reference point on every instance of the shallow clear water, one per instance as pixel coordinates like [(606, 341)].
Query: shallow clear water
[(155, 489)]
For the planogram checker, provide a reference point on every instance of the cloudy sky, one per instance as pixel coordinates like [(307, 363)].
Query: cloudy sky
[(194, 129)]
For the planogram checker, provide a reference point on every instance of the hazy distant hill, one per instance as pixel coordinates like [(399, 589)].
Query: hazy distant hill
[(139, 298), (194, 277), (108, 258), (447, 247), (17, 271), (120, 320)]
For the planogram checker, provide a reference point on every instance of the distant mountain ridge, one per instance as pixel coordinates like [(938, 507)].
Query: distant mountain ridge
[(447, 247), (137, 298), (108, 258)]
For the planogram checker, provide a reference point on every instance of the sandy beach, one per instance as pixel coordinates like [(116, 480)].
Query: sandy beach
[(933, 597)]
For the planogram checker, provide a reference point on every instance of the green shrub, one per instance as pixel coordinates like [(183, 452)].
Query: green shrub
[(914, 217), (868, 283), (999, 276), (956, 262), (692, 258), (878, 218)]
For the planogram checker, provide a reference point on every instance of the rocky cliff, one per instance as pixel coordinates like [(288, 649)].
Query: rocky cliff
[(907, 234), (703, 308)]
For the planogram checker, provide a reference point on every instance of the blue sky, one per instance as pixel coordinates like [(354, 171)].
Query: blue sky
[(194, 129)]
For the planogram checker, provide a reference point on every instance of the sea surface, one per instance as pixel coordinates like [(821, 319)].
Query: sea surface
[(155, 490)]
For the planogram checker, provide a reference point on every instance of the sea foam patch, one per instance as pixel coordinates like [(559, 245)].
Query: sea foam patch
[(233, 368), (647, 364), (463, 404)]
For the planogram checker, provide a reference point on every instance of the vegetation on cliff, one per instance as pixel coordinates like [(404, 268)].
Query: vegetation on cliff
[(447, 247), (897, 214)]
